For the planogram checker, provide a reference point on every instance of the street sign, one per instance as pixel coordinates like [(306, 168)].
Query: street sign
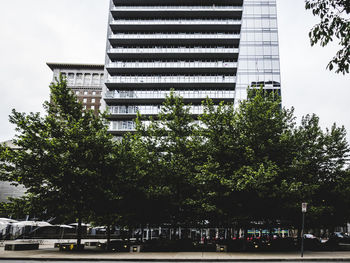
[(303, 210), (303, 207)]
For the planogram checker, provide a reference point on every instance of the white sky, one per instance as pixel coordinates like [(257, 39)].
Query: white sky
[(39, 31)]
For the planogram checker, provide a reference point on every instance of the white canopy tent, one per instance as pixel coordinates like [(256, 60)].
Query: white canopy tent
[(19, 227), (7, 220), (32, 223), (4, 224), (64, 226), (82, 224)]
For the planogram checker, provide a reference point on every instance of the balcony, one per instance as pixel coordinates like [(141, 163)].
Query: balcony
[(178, 67), (130, 112), (196, 53), (211, 11), (178, 25), (167, 82), (175, 39), (178, 22), (178, 2), (121, 127), (158, 96), (176, 8)]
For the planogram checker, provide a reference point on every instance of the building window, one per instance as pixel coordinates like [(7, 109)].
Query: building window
[(85, 100), (93, 107), (70, 78), (95, 79), (79, 79), (85, 93), (94, 93), (77, 92), (93, 100), (87, 79)]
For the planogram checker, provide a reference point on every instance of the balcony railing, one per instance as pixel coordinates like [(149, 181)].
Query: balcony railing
[(173, 50), (177, 8), (161, 94), (146, 110), (174, 36), (122, 126), (178, 22), (172, 79), (196, 64)]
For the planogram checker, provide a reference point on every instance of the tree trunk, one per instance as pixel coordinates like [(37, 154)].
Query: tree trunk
[(142, 233), (245, 235), (299, 233), (108, 245), (79, 234)]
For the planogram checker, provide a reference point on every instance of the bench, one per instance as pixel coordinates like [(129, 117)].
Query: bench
[(21, 246)]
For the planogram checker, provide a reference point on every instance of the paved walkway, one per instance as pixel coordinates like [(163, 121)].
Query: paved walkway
[(45, 253)]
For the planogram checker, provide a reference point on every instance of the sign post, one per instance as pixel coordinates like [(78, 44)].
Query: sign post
[(303, 210)]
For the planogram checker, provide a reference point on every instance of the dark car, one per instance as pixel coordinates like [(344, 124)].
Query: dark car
[(284, 244), (339, 237), (311, 243), (116, 245)]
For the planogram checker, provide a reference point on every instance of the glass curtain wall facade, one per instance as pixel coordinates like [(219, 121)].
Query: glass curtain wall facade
[(259, 63), (199, 48)]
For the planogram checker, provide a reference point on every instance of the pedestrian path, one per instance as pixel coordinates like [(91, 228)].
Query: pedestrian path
[(48, 253)]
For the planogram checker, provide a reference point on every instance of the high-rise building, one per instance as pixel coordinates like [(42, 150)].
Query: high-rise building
[(199, 48), (7, 189), (86, 81)]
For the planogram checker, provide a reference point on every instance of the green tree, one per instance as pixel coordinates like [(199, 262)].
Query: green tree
[(260, 166), (335, 23), (317, 171), (136, 206), (105, 202), (170, 142), (17, 208), (62, 157), (249, 150)]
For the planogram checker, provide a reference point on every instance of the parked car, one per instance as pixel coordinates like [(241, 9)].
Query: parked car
[(116, 245), (339, 237), (283, 244), (312, 243)]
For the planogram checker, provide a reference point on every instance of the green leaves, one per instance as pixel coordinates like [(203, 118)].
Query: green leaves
[(250, 162), (227, 167), (64, 159), (335, 23)]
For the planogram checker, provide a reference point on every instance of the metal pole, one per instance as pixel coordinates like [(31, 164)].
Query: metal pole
[(302, 236)]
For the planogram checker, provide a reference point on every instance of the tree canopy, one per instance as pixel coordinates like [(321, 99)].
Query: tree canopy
[(241, 165), (63, 158), (334, 24), (226, 167)]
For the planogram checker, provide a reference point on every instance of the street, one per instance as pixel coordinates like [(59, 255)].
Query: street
[(44, 261), (59, 261)]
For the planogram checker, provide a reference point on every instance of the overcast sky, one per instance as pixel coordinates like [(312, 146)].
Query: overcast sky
[(39, 31)]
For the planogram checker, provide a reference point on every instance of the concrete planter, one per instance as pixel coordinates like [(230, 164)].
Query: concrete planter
[(136, 248), (221, 248), (22, 246)]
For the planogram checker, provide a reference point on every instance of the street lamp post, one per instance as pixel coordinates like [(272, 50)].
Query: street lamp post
[(303, 210)]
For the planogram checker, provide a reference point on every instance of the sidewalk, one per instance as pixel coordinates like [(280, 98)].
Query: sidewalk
[(51, 254)]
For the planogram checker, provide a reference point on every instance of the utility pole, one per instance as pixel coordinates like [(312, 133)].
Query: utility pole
[(303, 211)]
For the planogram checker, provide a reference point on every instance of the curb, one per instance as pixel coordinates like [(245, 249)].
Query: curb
[(179, 260)]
